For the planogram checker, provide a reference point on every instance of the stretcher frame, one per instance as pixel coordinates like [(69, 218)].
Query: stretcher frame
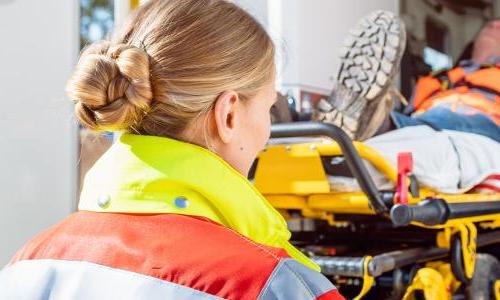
[(292, 177)]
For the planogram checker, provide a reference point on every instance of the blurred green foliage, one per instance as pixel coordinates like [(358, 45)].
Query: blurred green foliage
[(96, 20)]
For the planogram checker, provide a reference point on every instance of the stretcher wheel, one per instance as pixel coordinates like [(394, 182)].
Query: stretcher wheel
[(482, 284)]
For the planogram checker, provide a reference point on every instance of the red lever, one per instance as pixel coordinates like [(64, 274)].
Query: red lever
[(405, 166)]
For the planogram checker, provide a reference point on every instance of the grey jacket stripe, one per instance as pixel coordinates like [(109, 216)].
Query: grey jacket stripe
[(292, 280), (59, 279)]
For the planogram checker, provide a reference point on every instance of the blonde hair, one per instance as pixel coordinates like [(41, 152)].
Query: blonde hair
[(168, 65)]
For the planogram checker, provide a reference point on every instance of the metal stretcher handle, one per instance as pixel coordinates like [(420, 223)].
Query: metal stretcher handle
[(379, 264), (354, 161), (389, 261), (341, 266), (437, 211)]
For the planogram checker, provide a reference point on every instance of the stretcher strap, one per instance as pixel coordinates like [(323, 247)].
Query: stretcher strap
[(405, 166), (367, 279)]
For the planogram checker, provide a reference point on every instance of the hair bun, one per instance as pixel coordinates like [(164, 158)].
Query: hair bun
[(111, 86)]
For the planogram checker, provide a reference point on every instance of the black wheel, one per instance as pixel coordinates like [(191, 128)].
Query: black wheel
[(486, 273)]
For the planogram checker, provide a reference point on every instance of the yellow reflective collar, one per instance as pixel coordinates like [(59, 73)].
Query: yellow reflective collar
[(146, 174)]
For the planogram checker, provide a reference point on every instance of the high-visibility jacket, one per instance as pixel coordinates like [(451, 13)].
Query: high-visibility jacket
[(163, 219), (472, 85)]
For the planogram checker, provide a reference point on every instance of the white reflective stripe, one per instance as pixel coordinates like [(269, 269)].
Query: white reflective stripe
[(292, 280), (60, 279)]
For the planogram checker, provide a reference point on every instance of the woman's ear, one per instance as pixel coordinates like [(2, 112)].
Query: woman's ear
[(225, 115)]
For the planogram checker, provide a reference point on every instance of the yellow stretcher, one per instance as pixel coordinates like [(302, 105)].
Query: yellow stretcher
[(422, 248)]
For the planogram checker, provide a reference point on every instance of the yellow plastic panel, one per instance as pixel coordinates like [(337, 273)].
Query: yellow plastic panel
[(287, 201), (293, 169), (348, 203)]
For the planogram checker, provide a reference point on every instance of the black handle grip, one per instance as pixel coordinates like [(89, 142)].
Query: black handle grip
[(435, 211), (354, 161), (429, 212)]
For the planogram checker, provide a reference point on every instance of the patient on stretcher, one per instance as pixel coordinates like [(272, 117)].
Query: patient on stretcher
[(452, 124)]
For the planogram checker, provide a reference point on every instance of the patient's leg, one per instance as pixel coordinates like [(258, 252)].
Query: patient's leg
[(363, 95)]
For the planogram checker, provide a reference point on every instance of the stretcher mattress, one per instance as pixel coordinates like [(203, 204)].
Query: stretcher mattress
[(446, 161)]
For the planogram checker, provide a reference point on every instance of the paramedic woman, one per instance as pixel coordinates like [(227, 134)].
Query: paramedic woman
[(167, 212)]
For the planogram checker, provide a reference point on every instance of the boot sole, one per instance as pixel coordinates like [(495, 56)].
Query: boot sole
[(370, 58)]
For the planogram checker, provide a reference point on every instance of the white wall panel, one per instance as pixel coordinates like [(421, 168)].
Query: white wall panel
[(314, 31), (308, 35), (38, 145)]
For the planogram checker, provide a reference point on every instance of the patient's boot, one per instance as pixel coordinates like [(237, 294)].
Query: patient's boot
[(369, 60)]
